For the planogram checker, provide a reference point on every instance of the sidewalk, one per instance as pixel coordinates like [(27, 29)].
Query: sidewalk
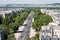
[(17, 35)]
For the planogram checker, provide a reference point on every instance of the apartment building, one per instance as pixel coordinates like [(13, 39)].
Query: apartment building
[(10, 12), (50, 32), (2, 35)]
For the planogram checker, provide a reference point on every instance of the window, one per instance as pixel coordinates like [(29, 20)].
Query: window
[(58, 24)]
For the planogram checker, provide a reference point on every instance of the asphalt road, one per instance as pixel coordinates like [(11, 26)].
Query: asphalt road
[(26, 31)]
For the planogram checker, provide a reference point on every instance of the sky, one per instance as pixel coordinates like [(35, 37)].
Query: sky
[(29, 1)]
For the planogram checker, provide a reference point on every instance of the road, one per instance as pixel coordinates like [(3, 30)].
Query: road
[(27, 26)]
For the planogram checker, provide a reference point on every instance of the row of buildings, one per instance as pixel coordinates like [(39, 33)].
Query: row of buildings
[(55, 13), (10, 12), (52, 30)]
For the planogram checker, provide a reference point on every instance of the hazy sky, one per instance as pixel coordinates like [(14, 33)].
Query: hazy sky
[(28, 1)]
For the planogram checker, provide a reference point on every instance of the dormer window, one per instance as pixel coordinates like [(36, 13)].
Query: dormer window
[(58, 24)]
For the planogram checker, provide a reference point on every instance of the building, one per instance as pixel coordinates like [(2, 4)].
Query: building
[(11, 12), (50, 32), (2, 35)]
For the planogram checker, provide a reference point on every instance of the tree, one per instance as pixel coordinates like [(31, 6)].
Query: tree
[(5, 28), (11, 27), (40, 20), (1, 19), (5, 21), (11, 37)]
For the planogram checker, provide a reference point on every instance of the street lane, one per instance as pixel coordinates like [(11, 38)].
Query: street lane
[(27, 26)]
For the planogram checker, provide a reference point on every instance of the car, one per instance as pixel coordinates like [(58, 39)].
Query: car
[(24, 24), (21, 36)]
